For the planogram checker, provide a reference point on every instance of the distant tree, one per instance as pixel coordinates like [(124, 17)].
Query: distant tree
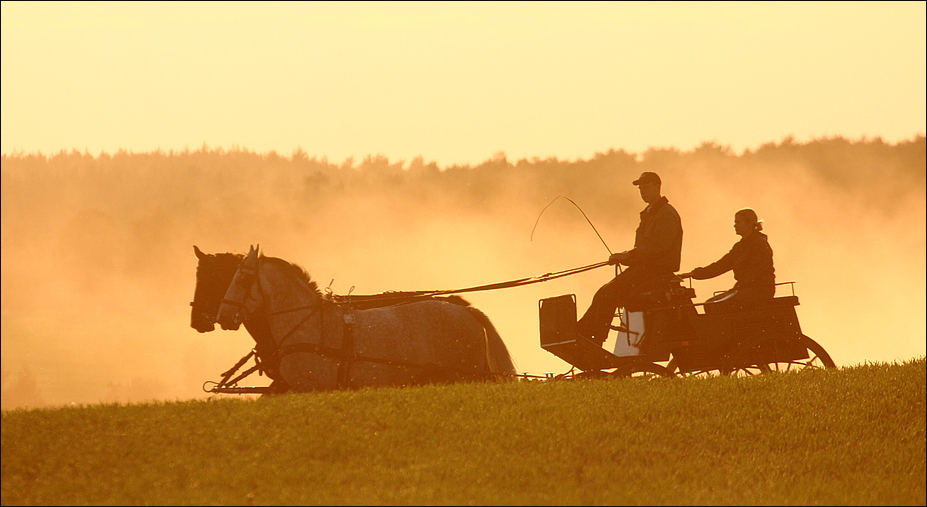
[(22, 392)]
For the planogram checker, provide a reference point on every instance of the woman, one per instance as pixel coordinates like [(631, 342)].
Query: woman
[(751, 258)]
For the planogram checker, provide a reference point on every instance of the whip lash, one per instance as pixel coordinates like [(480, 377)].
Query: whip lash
[(580, 210)]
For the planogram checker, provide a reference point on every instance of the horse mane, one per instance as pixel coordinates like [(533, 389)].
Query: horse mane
[(224, 256), (296, 270), (380, 299)]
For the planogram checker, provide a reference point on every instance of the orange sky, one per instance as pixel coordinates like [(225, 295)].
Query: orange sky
[(454, 83), (457, 82)]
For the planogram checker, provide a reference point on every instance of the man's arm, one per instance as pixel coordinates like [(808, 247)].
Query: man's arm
[(620, 258)]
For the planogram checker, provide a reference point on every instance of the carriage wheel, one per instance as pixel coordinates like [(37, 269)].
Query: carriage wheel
[(674, 368), (636, 369), (641, 370), (591, 375), (753, 357), (817, 356)]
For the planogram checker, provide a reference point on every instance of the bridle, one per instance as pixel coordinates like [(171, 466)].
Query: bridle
[(246, 280), (206, 316), (249, 275), (204, 306)]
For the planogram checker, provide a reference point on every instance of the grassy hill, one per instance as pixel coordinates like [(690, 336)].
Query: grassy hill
[(850, 436)]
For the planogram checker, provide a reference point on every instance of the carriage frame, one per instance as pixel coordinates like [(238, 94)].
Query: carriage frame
[(670, 335)]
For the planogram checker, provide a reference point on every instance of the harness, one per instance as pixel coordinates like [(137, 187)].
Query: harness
[(345, 355)]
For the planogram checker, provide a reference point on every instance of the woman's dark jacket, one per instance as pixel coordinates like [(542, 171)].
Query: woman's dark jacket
[(751, 258)]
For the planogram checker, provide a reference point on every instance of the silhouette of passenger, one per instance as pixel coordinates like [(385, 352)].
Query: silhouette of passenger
[(654, 259), (751, 258)]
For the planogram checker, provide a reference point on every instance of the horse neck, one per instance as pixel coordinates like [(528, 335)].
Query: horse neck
[(283, 289), (292, 309)]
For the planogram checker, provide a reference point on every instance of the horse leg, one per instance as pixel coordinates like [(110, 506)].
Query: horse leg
[(304, 372)]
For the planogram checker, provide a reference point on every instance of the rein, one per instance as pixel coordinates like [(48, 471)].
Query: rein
[(492, 286)]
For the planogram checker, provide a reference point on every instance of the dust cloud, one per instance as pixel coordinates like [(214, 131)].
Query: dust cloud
[(98, 266)]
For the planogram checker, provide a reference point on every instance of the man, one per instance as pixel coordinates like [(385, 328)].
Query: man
[(654, 258)]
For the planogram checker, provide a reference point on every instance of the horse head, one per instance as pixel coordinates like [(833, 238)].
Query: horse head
[(214, 273), (236, 304)]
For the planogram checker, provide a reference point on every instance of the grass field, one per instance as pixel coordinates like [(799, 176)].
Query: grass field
[(850, 436)]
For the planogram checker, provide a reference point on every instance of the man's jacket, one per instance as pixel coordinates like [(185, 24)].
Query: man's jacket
[(751, 258), (658, 241)]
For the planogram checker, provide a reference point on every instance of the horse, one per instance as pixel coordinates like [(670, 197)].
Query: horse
[(214, 273), (325, 344)]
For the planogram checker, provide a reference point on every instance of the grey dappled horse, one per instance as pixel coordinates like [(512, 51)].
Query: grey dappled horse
[(323, 344)]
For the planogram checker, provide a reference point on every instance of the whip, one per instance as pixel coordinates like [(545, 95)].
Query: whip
[(580, 210)]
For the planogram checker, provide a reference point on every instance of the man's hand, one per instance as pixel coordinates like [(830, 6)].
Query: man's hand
[(620, 258)]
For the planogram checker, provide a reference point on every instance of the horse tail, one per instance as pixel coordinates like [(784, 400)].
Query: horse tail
[(497, 354)]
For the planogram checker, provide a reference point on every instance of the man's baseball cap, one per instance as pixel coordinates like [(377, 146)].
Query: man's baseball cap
[(648, 177)]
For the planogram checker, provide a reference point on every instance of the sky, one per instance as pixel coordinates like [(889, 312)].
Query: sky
[(456, 82)]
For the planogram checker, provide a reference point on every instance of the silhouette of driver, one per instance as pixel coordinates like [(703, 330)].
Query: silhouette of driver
[(654, 259)]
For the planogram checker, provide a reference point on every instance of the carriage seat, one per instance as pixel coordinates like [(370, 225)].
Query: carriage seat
[(670, 292), (724, 307)]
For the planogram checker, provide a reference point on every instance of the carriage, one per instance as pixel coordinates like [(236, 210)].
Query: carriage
[(666, 334)]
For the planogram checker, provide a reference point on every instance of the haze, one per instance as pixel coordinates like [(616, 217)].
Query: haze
[(408, 146)]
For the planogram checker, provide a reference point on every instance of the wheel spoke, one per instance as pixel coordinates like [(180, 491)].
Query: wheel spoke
[(765, 355), (645, 371)]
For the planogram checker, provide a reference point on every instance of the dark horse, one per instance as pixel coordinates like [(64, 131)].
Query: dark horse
[(214, 273), (320, 343)]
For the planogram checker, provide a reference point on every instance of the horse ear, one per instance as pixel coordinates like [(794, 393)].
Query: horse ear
[(199, 255)]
